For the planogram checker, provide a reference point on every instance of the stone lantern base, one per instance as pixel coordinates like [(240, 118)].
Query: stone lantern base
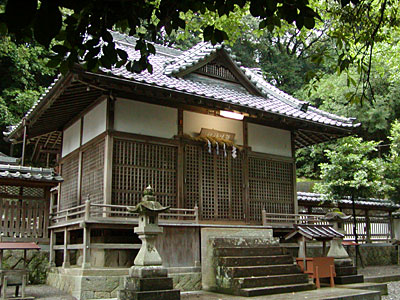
[(148, 283)]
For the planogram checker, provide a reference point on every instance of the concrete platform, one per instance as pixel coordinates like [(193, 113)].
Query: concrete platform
[(320, 294), (369, 286)]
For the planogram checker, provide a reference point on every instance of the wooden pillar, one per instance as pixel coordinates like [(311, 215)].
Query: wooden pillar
[(66, 262), (24, 141), (367, 226), (80, 165), (246, 195), (293, 146), (52, 257), (181, 162), (86, 247), (108, 151)]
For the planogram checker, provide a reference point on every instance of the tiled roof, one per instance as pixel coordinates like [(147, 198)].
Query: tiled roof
[(273, 99), (317, 198), (29, 173), (168, 61)]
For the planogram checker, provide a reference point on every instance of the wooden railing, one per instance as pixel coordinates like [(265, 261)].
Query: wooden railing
[(24, 219), (274, 219), (119, 213)]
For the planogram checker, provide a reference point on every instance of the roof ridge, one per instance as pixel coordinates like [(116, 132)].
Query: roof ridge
[(190, 57), (259, 81)]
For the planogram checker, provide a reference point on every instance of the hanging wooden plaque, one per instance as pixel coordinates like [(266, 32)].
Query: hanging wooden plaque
[(217, 134)]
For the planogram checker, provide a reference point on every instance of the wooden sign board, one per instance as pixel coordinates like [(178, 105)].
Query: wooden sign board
[(217, 134)]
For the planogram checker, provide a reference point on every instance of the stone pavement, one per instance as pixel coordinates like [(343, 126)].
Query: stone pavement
[(323, 293)]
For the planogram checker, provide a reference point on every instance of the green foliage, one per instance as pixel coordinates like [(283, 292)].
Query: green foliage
[(38, 267), (22, 78), (392, 170), (351, 171), (355, 25)]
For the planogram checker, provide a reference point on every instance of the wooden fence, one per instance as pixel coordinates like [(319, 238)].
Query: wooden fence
[(24, 219), (371, 229)]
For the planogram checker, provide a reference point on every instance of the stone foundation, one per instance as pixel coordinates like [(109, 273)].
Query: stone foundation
[(377, 254), (104, 283)]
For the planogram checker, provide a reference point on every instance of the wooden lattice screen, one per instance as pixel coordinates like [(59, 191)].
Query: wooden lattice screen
[(69, 187), (137, 165), (93, 173), (214, 182), (270, 187)]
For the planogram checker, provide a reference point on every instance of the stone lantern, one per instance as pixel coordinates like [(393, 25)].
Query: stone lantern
[(337, 250), (148, 279), (346, 273), (148, 229)]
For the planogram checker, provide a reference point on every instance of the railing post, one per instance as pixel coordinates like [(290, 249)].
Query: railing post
[(263, 217), (367, 227), (196, 213), (87, 209)]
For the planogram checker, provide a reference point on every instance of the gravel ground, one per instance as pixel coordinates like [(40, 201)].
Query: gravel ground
[(393, 290), (45, 292)]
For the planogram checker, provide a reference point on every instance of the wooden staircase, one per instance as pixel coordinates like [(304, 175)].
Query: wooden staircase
[(254, 271)]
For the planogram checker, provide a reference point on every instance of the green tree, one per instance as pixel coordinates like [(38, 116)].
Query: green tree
[(23, 77), (351, 171)]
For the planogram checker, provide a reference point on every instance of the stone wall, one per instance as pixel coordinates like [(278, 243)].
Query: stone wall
[(104, 283), (37, 263), (372, 254)]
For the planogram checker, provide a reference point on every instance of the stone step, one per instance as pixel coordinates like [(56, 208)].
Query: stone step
[(150, 295), (269, 290), (255, 251), (349, 279), (231, 261), (343, 271), (262, 281), (249, 271)]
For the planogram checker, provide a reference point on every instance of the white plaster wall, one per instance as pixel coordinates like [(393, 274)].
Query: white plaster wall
[(144, 118), (71, 138), (94, 122), (269, 140), (193, 122)]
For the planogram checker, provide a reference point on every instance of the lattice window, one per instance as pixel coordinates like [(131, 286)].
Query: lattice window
[(270, 187), (208, 186), (217, 70), (237, 207), (137, 165), (93, 173), (215, 182), (192, 176), (33, 192), (9, 189), (69, 187)]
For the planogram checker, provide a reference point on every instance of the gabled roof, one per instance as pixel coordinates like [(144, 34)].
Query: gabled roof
[(67, 95)]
